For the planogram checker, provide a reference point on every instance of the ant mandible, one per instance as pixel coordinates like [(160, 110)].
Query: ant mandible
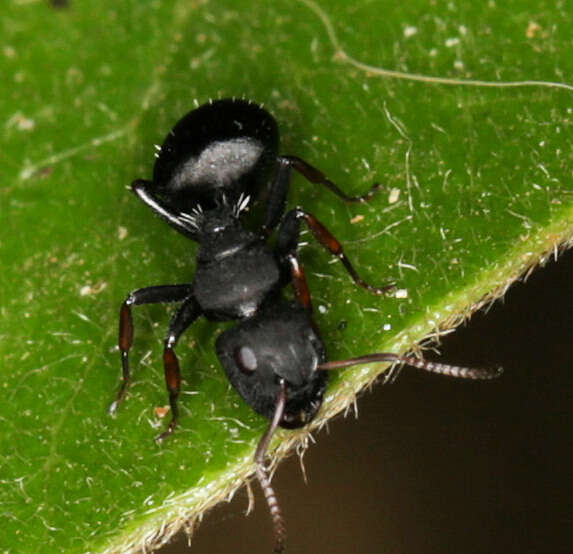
[(219, 161)]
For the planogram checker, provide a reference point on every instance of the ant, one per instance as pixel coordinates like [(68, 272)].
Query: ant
[(217, 162)]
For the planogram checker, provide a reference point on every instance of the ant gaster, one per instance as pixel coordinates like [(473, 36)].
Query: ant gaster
[(217, 164)]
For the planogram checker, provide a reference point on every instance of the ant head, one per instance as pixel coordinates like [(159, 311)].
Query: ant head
[(279, 343)]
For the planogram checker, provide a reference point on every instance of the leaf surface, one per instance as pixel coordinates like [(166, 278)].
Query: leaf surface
[(478, 190)]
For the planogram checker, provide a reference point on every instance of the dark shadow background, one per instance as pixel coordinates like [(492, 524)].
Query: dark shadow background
[(433, 465)]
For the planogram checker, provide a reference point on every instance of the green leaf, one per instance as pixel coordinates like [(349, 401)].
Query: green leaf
[(478, 192)]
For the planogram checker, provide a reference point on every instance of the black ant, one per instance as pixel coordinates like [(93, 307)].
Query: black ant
[(218, 161)]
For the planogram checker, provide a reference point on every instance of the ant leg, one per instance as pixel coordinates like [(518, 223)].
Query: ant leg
[(150, 295), (278, 189), (317, 177), (288, 239), (299, 283), (262, 476), (187, 313)]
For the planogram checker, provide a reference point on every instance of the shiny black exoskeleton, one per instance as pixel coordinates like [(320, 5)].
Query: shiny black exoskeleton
[(219, 162), (254, 364), (220, 180)]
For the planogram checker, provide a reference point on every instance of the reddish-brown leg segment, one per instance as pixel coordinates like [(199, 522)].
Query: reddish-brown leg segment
[(187, 313), (298, 278), (317, 177), (278, 189), (149, 295), (288, 239)]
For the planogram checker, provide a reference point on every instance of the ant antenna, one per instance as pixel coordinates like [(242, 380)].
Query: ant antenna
[(432, 367), (270, 496)]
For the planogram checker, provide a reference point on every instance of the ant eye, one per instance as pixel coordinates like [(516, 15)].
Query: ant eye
[(246, 359)]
